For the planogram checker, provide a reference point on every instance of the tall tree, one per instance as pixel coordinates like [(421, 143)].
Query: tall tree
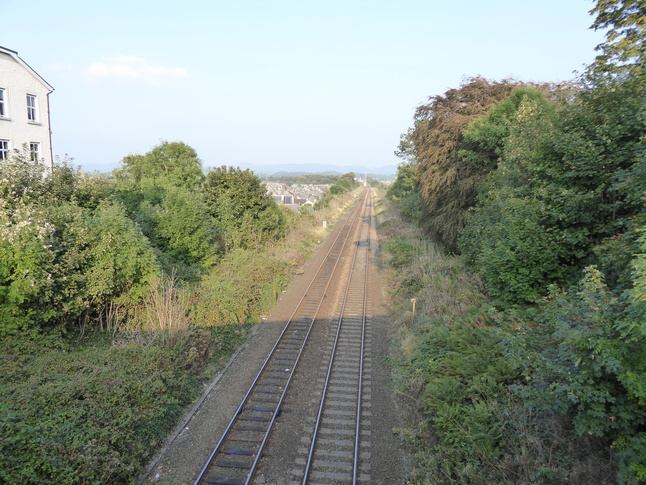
[(168, 164), (625, 47), (448, 183), (405, 190), (566, 181)]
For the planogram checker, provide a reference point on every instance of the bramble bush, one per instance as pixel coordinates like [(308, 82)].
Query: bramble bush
[(21, 180), (89, 415), (100, 256), (61, 263)]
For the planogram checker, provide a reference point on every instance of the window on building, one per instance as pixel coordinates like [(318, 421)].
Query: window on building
[(3, 108), (4, 149), (34, 151), (32, 114)]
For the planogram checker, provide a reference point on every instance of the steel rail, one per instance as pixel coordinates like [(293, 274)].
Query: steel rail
[(347, 223), (355, 467), (319, 417)]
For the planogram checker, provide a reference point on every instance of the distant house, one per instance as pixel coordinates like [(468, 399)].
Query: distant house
[(24, 109)]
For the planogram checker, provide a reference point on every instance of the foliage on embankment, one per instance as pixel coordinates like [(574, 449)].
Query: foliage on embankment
[(534, 371), (120, 295)]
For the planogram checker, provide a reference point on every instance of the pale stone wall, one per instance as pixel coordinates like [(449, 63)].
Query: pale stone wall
[(18, 81)]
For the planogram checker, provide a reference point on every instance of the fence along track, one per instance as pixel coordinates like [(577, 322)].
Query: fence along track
[(335, 448), (236, 455)]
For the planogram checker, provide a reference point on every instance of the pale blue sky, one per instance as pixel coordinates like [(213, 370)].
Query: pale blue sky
[(250, 82)]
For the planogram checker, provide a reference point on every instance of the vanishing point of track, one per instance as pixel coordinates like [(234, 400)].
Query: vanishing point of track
[(334, 453)]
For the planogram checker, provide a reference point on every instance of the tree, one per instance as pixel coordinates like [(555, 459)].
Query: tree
[(405, 191), (598, 146), (168, 164), (188, 233), (406, 148), (458, 140), (241, 207), (448, 184), (579, 173), (485, 138), (624, 50), (345, 183)]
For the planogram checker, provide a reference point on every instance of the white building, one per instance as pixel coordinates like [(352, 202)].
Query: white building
[(24, 109)]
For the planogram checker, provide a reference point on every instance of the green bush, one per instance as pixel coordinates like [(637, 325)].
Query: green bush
[(401, 252), (465, 383), (463, 362), (244, 285), (26, 268), (22, 181), (243, 212), (189, 234), (345, 183), (513, 249), (169, 164), (582, 355), (405, 192), (101, 255), (63, 264)]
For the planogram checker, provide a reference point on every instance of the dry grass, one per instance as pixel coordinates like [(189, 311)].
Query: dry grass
[(161, 319), (112, 318), (165, 312), (439, 282)]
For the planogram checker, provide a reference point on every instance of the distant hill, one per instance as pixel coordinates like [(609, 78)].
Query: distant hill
[(296, 169)]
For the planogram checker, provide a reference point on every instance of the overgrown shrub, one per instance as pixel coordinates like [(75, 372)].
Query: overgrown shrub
[(401, 253), (246, 216), (582, 356), (189, 234), (26, 267), (244, 285), (21, 180), (462, 363), (510, 245), (101, 256)]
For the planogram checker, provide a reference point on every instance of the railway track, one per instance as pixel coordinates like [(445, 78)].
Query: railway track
[(334, 451)]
